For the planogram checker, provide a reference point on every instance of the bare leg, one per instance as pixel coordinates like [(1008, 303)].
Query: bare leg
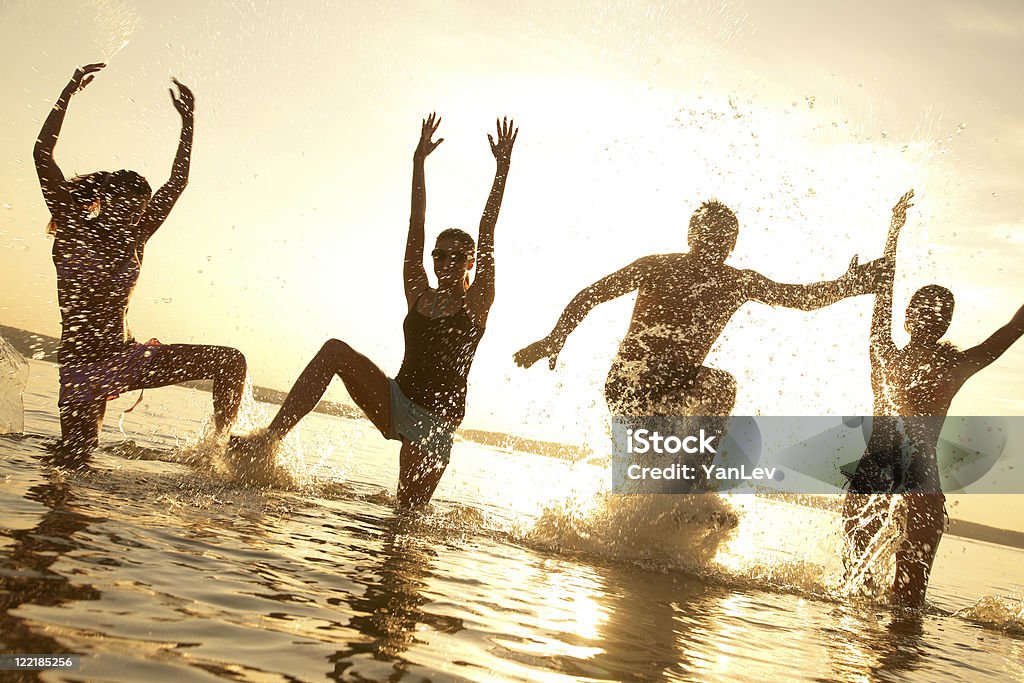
[(366, 384), (80, 426), (714, 391), (174, 363), (709, 400), (917, 551), (418, 476)]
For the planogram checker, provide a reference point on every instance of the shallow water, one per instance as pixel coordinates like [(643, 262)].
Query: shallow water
[(163, 570)]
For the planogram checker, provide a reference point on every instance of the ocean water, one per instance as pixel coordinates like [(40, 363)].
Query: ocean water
[(157, 564)]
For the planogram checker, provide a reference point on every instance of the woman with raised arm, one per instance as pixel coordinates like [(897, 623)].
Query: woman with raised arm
[(425, 402), (101, 223), (913, 388)]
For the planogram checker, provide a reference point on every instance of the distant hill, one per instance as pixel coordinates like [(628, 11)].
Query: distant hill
[(510, 442), (42, 347), (30, 344), (988, 534)]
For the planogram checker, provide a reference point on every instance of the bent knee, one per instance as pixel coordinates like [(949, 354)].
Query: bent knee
[(716, 388), (235, 358), (232, 360), (715, 378), (335, 349)]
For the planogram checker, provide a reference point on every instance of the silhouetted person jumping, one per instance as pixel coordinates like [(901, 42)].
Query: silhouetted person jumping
[(426, 401), (684, 302), (101, 223), (913, 388)]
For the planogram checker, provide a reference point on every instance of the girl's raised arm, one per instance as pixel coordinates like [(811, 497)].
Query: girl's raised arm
[(481, 294), (56, 190), (414, 275)]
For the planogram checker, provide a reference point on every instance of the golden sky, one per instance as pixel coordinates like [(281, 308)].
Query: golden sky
[(810, 119)]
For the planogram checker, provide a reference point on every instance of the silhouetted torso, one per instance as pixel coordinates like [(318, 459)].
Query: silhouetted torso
[(438, 355), (681, 309), (917, 384), (95, 280)]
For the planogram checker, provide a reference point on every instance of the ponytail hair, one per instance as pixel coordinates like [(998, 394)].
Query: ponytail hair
[(88, 190), (85, 192)]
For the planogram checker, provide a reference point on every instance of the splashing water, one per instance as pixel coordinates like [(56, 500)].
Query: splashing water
[(1003, 612), (13, 377), (870, 571), (287, 468), (115, 21), (683, 531)]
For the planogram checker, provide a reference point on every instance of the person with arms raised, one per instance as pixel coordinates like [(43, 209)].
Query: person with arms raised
[(101, 224), (426, 401)]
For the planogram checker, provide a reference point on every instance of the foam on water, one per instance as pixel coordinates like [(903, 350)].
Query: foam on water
[(682, 531), (1002, 612)]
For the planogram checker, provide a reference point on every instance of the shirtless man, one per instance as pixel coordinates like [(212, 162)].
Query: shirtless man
[(684, 302)]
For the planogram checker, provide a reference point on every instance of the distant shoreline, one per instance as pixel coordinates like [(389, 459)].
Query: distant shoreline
[(44, 348)]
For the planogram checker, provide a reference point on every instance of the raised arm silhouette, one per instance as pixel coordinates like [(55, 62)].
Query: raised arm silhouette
[(913, 387), (426, 401), (101, 223)]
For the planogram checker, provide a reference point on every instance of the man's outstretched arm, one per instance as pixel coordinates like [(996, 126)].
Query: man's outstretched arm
[(858, 279), (611, 287)]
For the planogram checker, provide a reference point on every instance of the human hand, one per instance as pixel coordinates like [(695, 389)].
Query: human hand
[(426, 145), (878, 273), (502, 149), (83, 76), (545, 348), (858, 278), (853, 270), (185, 102), (899, 212)]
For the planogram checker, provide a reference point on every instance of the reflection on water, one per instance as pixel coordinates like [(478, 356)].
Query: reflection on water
[(876, 646), (152, 569), (26, 564), (389, 612)]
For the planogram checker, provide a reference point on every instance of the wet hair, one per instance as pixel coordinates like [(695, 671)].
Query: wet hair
[(713, 224), (88, 190), (939, 301), (464, 240)]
